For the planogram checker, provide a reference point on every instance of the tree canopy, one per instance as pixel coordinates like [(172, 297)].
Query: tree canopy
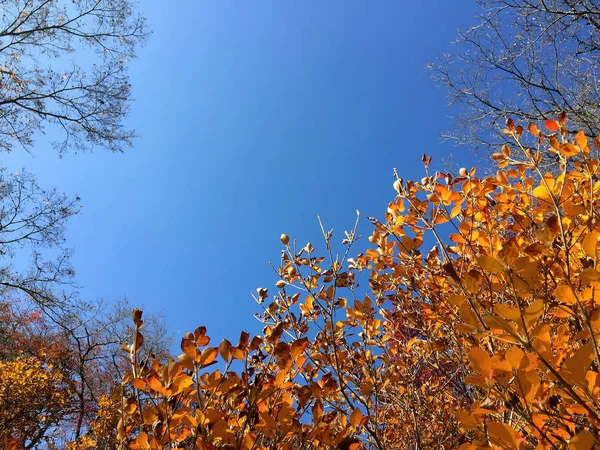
[(64, 64), (527, 59)]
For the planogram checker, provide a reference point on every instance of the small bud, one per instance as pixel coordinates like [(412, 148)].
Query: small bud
[(285, 239), (463, 172), (280, 284)]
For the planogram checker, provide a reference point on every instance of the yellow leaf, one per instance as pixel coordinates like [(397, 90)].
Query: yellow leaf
[(533, 312), (589, 276), (542, 193), (514, 356), (590, 243), (491, 264), (503, 435), (181, 382), (457, 300), (528, 385), (565, 294)]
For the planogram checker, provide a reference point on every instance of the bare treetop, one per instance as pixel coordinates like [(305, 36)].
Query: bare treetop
[(86, 101), (530, 59)]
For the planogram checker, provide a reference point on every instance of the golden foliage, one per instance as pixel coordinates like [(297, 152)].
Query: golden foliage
[(101, 431), (33, 397), (488, 340)]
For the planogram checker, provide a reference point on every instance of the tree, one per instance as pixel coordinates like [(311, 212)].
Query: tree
[(40, 85), (74, 365), (32, 225), (487, 341), (527, 59), (43, 320), (63, 71), (34, 399)]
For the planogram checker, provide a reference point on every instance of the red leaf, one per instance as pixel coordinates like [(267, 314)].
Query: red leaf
[(552, 125)]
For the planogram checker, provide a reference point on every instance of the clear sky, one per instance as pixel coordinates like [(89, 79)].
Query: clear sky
[(253, 118)]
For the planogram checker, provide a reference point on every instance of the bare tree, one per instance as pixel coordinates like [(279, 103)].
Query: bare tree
[(95, 335), (34, 263), (526, 59), (40, 84)]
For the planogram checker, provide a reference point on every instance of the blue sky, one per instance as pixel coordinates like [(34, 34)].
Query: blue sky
[(253, 118)]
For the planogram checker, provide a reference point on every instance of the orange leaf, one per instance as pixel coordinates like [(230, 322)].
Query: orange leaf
[(481, 361), (514, 356), (317, 412), (208, 356), (533, 312), (298, 347), (139, 341), (533, 129), (528, 385), (154, 383), (568, 149), (225, 349), (552, 125), (584, 440), (181, 382), (130, 406), (189, 347), (356, 417), (581, 140), (138, 383), (457, 300)]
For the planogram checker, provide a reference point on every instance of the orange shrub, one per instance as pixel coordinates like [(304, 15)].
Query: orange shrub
[(488, 340)]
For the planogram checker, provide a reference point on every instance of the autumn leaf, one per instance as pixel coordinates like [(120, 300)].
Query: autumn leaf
[(481, 362), (491, 264), (207, 356), (552, 125)]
